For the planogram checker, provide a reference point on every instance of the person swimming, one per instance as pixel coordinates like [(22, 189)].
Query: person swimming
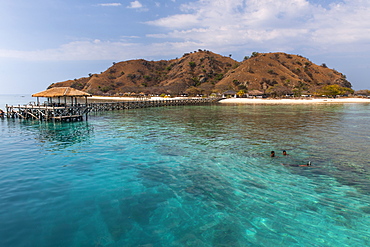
[(285, 153), (295, 165), (272, 154)]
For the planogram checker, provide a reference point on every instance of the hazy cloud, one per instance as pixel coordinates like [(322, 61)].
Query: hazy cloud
[(109, 4), (78, 50), (176, 21), (101, 50)]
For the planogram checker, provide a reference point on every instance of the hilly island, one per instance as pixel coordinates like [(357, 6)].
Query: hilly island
[(204, 72)]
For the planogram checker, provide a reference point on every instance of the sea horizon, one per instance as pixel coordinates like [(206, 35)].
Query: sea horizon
[(14, 99)]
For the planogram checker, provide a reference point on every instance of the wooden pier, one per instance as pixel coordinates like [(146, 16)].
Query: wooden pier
[(122, 105), (47, 112), (75, 112)]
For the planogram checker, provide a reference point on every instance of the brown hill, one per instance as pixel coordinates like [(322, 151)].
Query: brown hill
[(206, 72), (280, 73)]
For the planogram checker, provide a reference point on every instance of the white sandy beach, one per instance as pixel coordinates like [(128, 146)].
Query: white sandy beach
[(107, 98), (294, 101), (112, 98), (244, 100)]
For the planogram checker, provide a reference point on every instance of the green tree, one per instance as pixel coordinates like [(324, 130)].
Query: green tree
[(363, 92), (105, 89), (218, 77), (241, 92), (334, 90), (279, 91), (255, 54), (299, 88), (193, 91)]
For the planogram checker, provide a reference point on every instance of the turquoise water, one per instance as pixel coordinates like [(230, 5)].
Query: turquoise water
[(189, 176)]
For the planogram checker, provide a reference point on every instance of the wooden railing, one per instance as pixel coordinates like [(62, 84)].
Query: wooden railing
[(76, 112)]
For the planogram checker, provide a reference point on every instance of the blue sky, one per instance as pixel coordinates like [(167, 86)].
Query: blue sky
[(46, 41)]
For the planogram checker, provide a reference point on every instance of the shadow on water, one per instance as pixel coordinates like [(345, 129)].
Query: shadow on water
[(332, 137), (125, 218), (355, 175), (195, 185), (59, 135), (317, 133), (345, 173)]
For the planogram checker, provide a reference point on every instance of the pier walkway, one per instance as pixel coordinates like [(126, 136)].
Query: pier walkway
[(47, 112), (65, 112), (96, 107)]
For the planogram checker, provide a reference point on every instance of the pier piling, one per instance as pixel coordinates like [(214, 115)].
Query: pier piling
[(75, 112)]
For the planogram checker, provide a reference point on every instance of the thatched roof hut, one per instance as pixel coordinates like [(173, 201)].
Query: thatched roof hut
[(229, 93), (62, 92), (255, 92)]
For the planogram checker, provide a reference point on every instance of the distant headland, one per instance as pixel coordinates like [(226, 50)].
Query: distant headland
[(203, 72)]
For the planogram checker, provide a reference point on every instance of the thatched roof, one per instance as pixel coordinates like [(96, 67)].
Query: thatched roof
[(255, 92), (61, 92), (229, 92)]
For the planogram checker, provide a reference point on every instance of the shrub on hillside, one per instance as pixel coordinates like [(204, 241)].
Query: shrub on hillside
[(192, 65), (334, 90)]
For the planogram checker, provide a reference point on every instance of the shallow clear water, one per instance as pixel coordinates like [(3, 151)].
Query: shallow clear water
[(189, 176)]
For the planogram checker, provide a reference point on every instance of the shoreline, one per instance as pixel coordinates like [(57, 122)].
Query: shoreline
[(294, 101), (115, 98), (243, 100)]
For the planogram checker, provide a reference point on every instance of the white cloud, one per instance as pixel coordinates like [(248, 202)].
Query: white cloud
[(236, 22), (135, 5), (269, 24), (230, 26), (110, 4)]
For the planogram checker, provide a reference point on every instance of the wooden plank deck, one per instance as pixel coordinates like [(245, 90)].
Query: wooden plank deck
[(76, 112), (68, 118), (47, 113)]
